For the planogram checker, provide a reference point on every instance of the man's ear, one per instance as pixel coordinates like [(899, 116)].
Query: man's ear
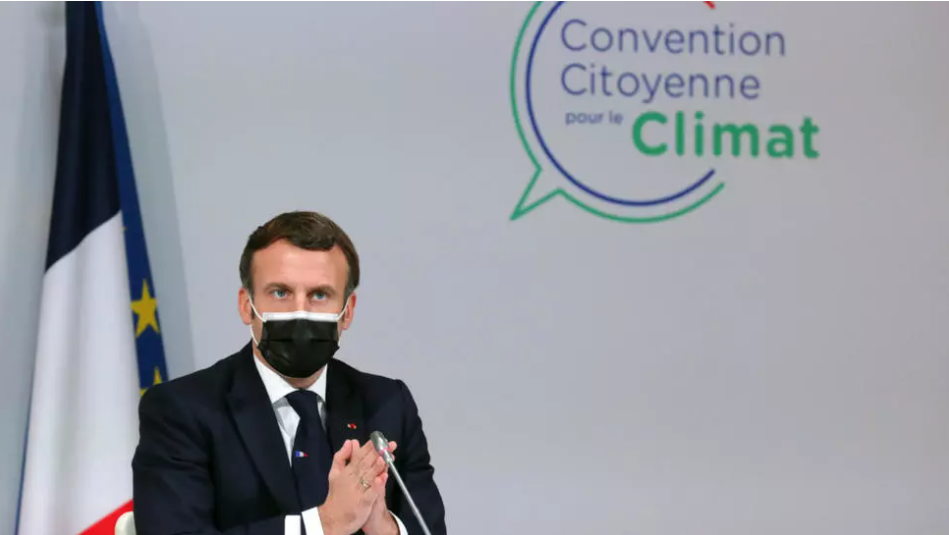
[(243, 306), (350, 310)]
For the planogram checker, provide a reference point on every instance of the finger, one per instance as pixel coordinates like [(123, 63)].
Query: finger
[(369, 495), (361, 452), (392, 447), (377, 490), (372, 457), (375, 469), (371, 466), (342, 455), (341, 459), (379, 484)]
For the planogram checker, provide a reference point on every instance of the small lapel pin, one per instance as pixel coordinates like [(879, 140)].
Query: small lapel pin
[(298, 454), (351, 426)]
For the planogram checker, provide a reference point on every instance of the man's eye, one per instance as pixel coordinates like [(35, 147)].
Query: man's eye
[(319, 296), (279, 294)]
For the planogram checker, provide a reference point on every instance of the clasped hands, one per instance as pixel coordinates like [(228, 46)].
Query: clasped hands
[(357, 492)]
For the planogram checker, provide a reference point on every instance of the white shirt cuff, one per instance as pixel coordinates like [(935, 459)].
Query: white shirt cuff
[(291, 525), (311, 521), (402, 530)]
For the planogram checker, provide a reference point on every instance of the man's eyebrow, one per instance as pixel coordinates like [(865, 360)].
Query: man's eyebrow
[(276, 286), (322, 288)]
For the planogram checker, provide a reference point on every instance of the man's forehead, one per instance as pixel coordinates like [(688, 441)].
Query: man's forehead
[(297, 283), (295, 267), (299, 278)]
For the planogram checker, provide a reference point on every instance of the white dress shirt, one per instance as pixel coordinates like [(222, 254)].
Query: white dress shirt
[(288, 420)]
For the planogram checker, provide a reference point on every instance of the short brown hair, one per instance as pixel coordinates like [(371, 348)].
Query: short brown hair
[(307, 230)]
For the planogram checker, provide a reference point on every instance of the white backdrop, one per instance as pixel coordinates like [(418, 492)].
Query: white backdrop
[(774, 361)]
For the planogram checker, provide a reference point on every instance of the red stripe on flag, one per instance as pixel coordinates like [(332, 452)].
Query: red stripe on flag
[(106, 526)]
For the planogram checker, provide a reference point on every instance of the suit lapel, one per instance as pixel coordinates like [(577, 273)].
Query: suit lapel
[(254, 415), (344, 409)]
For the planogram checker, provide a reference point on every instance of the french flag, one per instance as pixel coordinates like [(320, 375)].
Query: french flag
[(99, 341)]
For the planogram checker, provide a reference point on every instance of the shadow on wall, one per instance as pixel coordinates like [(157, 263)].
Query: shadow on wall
[(25, 203), (145, 120)]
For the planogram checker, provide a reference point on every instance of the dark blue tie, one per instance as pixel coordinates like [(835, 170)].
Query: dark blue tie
[(311, 453)]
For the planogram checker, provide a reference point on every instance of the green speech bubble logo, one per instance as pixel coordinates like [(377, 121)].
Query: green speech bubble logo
[(546, 186)]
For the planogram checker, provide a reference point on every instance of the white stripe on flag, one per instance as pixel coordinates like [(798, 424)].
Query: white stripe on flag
[(83, 425)]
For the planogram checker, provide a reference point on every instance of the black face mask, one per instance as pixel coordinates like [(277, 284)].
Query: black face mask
[(298, 344)]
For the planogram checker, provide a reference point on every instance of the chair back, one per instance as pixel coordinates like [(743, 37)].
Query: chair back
[(125, 525)]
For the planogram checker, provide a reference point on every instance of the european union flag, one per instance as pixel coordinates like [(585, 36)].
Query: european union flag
[(148, 341)]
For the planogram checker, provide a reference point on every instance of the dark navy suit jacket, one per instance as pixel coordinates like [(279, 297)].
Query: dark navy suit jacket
[(211, 460)]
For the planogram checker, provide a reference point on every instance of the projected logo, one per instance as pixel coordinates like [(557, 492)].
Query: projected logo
[(637, 112)]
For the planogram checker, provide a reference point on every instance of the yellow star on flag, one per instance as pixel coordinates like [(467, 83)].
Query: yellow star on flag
[(156, 381), (146, 308)]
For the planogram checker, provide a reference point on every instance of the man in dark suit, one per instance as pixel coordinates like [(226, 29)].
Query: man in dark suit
[(274, 439)]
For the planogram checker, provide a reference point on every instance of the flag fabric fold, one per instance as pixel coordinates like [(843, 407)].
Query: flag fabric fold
[(99, 342)]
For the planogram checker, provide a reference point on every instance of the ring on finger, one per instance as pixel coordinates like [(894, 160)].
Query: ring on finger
[(365, 484)]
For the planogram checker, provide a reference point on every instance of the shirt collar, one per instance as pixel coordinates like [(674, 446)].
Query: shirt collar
[(277, 387)]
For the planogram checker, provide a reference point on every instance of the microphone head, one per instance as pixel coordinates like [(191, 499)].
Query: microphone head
[(381, 444)]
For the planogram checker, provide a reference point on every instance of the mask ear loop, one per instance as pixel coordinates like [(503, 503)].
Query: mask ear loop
[(251, 327), (342, 312)]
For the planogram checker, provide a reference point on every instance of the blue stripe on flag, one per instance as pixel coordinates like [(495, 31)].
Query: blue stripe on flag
[(86, 193), (151, 350)]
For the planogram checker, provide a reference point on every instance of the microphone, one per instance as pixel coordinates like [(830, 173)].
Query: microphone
[(381, 444)]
